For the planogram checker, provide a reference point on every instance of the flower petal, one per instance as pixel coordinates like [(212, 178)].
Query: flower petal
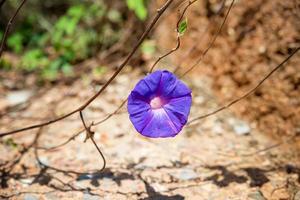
[(160, 126), (179, 109), (180, 90), (148, 86), (141, 119), (167, 83), (137, 103), (165, 121)]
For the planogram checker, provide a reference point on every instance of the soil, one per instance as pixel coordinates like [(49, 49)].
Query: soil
[(221, 157), (257, 36), (246, 152)]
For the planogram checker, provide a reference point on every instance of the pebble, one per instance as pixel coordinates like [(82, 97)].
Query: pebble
[(240, 127), (87, 196), (257, 195), (18, 97), (44, 160), (199, 100), (217, 128), (26, 181), (154, 162), (158, 187), (30, 197), (185, 174), (51, 196)]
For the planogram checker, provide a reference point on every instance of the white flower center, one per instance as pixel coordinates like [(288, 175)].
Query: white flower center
[(156, 103)]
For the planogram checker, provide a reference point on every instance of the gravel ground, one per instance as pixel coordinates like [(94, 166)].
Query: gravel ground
[(246, 152), (216, 158)]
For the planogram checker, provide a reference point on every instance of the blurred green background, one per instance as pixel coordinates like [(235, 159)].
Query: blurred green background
[(50, 37)]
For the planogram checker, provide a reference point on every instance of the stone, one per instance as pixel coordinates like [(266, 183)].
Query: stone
[(159, 187), (217, 128), (30, 197), (26, 181), (18, 97), (240, 127), (87, 196), (51, 196), (257, 195), (185, 174)]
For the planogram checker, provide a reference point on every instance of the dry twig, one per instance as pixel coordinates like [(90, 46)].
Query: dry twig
[(124, 63), (9, 24)]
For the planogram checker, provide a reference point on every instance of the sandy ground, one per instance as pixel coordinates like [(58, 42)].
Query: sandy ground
[(256, 37), (216, 158), (227, 156)]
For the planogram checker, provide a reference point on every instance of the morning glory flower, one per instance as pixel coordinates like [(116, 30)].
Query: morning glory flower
[(159, 105)]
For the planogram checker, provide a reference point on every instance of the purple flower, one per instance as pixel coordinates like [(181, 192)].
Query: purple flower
[(159, 105)]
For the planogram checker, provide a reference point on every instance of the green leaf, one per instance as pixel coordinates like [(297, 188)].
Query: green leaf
[(51, 71), (182, 26), (139, 8), (148, 47), (55, 65), (99, 71), (67, 69), (114, 16), (11, 143), (15, 42), (49, 74), (76, 11), (33, 59), (70, 27), (61, 23), (5, 64)]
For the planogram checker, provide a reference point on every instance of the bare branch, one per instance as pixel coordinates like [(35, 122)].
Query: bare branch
[(82, 130), (90, 135), (63, 143), (1, 3), (198, 41), (153, 66), (211, 42), (178, 37), (161, 57), (8, 26), (124, 63)]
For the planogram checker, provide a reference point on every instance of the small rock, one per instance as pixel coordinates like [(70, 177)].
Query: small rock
[(158, 187), (18, 97), (199, 100), (51, 196), (30, 197), (87, 196), (217, 128), (240, 127), (262, 49), (257, 195), (26, 181), (185, 174), (44, 160), (153, 163)]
